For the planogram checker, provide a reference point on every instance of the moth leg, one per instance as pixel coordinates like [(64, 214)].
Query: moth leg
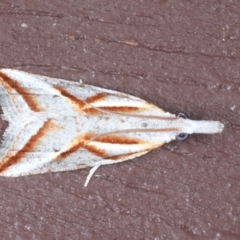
[(91, 172)]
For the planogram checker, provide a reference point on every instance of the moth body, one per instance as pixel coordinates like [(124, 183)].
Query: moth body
[(58, 125)]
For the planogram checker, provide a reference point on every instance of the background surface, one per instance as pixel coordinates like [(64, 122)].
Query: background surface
[(179, 55)]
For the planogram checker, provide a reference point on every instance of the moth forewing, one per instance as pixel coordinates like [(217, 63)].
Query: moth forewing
[(58, 125)]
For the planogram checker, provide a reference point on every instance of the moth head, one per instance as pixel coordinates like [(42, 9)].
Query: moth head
[(182, 136)]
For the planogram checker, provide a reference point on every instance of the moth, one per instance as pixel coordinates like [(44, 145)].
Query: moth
[(56, 125)]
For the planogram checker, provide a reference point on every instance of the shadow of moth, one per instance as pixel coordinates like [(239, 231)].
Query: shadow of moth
[(57, 125)]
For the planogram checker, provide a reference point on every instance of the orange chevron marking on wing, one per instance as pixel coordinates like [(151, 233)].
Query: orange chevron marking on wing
[(78, 103), (96, 151), (9, 84), (81, 106), (29, 146), (82, 140), (95, 98), (92, 111), (77, 143), (71, 150), (88, 136)]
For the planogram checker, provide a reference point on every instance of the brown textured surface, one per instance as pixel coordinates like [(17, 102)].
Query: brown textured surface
[(180, 55)]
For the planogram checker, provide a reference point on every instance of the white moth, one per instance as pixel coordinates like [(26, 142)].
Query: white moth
[(57, 125)]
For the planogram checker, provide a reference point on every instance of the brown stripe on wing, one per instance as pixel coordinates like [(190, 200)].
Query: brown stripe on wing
[(95, 98), (9, 84), (121, 109), (77, 143), (92, 111), (113, 109), (73, 148), (96, 151), (81, 142), (115, 139), (78, 103), (82, 105), (28, 147)]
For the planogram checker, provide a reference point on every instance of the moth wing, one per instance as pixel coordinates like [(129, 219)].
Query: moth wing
[(51, 125)]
